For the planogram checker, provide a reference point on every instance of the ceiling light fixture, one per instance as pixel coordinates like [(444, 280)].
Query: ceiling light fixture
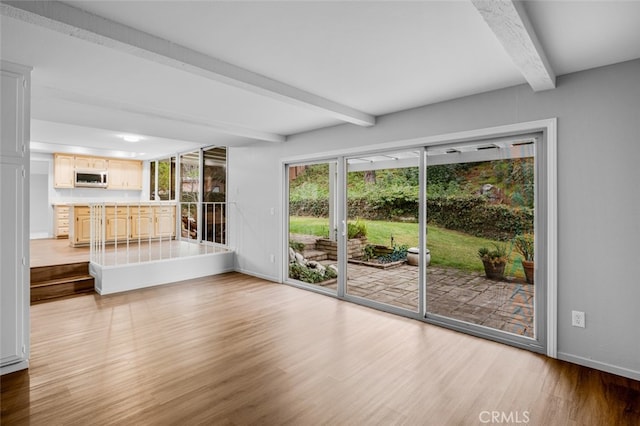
[(131, 138)]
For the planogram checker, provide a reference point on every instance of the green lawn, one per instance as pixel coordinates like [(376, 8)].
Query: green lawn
[(448, 248)]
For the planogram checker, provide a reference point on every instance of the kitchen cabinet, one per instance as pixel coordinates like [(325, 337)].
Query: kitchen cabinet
[(14, 186), (141, 222), (117, 223), (63, 171), (165, 221), (91, 163), (81, 225), (125, 174), (123, 222), (61, 221)]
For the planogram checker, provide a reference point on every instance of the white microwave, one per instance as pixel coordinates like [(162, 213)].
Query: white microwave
[(91, 179)]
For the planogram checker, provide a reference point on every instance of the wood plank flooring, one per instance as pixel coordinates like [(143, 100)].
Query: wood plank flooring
[(233, 349)]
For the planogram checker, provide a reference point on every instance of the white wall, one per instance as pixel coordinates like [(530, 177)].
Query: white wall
[(40, 212), (598, 115)]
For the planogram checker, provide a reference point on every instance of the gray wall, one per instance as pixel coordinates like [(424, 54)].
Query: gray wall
[(598, 115)]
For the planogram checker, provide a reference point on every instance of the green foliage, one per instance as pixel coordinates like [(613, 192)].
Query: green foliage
[(296, 246), (448, 248), (357, 229), (524, 244), (309, 275), (368, 252), (497, 255), (473, 214), (398, 253), (476, 216)]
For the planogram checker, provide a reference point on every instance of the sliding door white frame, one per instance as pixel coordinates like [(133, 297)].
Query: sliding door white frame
[(547, 127)]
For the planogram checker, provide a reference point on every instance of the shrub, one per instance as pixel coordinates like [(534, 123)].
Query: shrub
[(357, 229), (524, 244), (296, 246), (308, 275), (398, 253), (497, 255)]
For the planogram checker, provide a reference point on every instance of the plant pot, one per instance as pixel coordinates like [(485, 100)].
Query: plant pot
[(413, 256), (527, 265), (494, 271)]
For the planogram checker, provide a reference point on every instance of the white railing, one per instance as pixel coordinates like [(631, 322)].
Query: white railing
[(143, 232)]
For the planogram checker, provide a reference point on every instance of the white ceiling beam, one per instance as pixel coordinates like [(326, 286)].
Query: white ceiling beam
[(510, 24), (86, 26), (44, 92)]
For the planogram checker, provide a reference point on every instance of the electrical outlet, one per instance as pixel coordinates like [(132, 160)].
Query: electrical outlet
[(272, 258), (577, 319)]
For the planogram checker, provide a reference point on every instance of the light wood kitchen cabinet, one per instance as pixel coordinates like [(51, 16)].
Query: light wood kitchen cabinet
[(61, 221), (91, 163), (165, 221), (123, 222), (81, 225), (117, 223), (141, 222), (125, 174), (63, 171)]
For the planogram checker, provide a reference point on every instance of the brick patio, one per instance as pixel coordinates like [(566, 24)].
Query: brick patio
[(504, 305)]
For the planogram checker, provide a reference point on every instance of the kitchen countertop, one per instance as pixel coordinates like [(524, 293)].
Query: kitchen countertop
[(117, 203)]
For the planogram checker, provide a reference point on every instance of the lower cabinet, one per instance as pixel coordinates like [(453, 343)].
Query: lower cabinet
[(81, 226), (165, 222), (141, 222), (124, 222), (117, 223)]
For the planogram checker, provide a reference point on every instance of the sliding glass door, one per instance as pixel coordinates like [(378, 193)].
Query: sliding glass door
[(447, 233), (382, 228), (313, 246), (481, 204)]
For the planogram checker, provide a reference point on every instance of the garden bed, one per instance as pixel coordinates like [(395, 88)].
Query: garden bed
[(376, 264)]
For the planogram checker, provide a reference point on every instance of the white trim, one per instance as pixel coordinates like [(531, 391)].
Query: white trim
[(12, 368), (602, 366), (404, 144), (552, 236), (257, 275)]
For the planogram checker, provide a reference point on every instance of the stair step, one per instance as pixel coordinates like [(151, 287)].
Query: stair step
[(316, 255), (62, 287), (46, 273), (78, 278)]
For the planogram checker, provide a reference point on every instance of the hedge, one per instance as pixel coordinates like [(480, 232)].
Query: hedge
[(473, 215)]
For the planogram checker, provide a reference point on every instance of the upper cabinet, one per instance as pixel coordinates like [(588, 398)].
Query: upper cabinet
[(63, 165), (121, 174), (91, 163), (125, 174)]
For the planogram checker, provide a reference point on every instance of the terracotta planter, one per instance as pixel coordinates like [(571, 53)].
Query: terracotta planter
[(494, 271), (527, 265)]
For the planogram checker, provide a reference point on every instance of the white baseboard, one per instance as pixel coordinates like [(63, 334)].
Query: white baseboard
[(602, 366), (11, 368), (258, 275), (40, 235)]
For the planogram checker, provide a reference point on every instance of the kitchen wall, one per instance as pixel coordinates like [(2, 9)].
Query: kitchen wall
[(598, 114), (41, 219)]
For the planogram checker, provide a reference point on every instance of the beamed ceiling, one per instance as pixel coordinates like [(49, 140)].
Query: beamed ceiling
[(186, 74)]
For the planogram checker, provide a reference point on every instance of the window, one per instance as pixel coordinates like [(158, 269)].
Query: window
[(163, 179)]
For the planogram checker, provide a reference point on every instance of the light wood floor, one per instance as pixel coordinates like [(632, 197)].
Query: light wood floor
[(233, 349)]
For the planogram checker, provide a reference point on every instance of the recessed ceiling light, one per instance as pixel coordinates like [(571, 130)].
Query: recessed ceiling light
[(131, 138)]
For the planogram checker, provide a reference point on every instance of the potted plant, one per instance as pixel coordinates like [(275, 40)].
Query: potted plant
[(494, 261), (524, 245)]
